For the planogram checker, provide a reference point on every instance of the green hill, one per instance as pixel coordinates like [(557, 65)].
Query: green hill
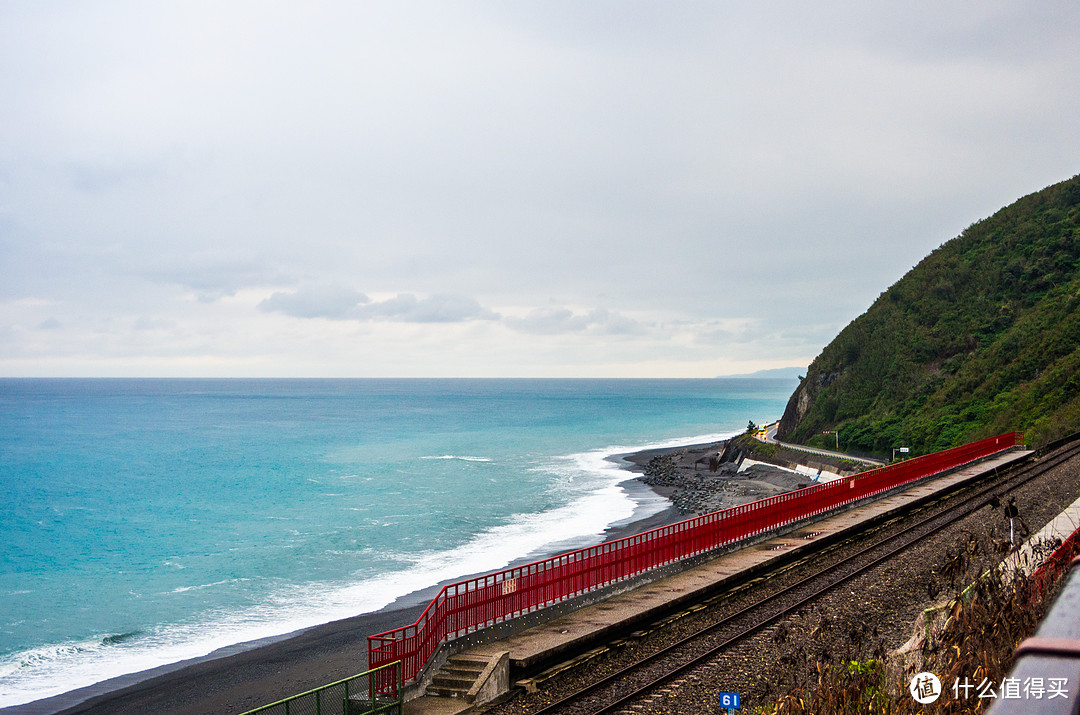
[(981, 337)]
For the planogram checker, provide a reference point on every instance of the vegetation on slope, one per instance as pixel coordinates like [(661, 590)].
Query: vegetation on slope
[(984, 626), (981, 337)]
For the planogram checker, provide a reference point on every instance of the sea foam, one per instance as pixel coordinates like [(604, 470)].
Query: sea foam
[(58, 668), (331, 498), (463, 459)]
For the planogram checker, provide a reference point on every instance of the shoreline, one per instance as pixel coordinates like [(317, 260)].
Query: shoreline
[(248, 675)]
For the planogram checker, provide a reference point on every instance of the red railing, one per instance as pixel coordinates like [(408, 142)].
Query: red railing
[(463, 607)]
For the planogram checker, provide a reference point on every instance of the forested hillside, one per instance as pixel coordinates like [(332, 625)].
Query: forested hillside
[(981, 337)]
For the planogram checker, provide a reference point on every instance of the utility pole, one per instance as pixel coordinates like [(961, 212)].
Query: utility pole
[(835, 433)]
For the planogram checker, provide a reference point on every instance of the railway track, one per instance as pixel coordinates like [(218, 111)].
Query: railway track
[(632, 683)]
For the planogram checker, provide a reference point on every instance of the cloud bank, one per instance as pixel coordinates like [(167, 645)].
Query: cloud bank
[(339, 303), (488, 188)]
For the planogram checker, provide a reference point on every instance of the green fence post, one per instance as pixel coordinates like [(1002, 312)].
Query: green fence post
[(400, 685)]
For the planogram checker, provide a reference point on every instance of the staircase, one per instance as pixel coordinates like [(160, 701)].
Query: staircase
[(472, 678)]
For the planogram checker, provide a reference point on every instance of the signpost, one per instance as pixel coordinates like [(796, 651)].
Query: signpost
[(730, 702), (1012, 512)]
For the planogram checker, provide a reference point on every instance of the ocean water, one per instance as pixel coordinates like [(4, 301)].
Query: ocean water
[(150, 521)]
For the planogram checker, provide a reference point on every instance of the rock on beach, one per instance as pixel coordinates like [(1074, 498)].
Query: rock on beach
[(697, 482)]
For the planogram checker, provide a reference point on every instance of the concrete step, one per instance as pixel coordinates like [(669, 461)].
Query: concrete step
[(464, 669), (465, 660), (449, 680), (428, 705), (456, 677), (460, 675), (434, 690)]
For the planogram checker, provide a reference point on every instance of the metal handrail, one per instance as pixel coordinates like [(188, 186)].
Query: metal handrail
[(467, 606), (1053, 652)]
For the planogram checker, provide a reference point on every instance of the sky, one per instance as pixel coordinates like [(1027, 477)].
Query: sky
[(610, 188)]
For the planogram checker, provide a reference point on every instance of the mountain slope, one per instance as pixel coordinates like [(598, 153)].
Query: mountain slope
[(981, 337)]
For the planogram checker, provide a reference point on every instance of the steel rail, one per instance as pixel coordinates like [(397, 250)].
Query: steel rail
[(1022, 475)]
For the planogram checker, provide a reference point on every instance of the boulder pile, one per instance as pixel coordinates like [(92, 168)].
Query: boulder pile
[(684, 477)]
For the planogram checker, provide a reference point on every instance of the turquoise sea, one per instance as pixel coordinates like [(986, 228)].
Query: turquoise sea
[(150, 521)]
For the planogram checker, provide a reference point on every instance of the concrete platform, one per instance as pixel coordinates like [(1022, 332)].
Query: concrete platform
[(576, 632), (429, 705)]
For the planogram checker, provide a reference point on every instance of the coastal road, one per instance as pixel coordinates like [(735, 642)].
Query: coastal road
[(770, 438)]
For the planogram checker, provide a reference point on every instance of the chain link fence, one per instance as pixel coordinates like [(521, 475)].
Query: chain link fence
[(357, 695)]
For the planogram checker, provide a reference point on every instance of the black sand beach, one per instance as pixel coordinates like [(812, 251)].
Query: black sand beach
[(247, 676)]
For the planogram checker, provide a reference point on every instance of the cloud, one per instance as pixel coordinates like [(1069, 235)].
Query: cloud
[(336, 302), (553, 321), (727, 331), (213, 274), (147, 323), (317, 301), (683, 166), (439, 308)]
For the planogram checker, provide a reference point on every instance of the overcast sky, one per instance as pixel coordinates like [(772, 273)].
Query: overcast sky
[(623, 189)]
